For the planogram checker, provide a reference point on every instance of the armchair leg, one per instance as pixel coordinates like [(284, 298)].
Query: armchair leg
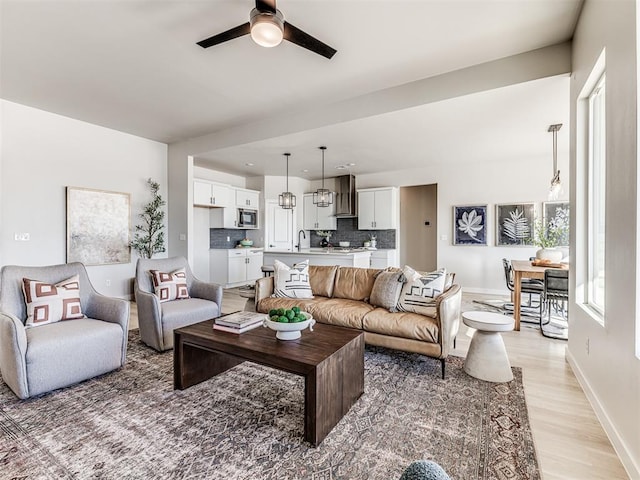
[(442, 364)]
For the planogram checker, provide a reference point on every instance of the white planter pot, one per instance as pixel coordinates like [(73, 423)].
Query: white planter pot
[(551, 254)]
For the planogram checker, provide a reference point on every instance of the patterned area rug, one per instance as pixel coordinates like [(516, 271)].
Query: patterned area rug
[(247, 424)]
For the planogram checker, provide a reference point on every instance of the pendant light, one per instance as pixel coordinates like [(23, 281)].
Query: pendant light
[(322, 197), (556, 186), (287, 200)]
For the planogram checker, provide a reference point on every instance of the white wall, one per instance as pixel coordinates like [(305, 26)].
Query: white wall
[(471, 182), (608, 369), (42, 153)]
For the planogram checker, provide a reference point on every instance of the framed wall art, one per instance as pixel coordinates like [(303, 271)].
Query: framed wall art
[(515, 224), (470, 225), (556, 215), (98, 226)]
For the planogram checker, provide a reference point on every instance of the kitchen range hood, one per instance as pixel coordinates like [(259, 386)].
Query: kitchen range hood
[(346, 196)]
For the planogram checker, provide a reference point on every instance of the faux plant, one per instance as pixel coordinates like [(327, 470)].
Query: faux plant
[(553, 233), (149, 237)]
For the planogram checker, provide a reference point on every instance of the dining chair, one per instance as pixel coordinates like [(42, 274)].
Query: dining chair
[(555, 297), (528, 286)]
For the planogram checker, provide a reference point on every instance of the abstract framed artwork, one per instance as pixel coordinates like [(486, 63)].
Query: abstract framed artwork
[(515, 224), (98, 226), (557, 213), (470, 225)]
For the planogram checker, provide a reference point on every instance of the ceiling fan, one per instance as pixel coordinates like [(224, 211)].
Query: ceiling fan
[(268, 27)]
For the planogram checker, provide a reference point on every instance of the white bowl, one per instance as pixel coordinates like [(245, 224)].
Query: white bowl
[(290, 331), (344, 244)]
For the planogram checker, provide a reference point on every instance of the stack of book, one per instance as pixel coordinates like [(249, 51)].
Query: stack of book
[(239, 322)]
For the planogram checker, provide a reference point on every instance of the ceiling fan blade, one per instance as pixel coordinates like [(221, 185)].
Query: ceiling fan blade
[(266, 5), (236, 32), (297, 36)]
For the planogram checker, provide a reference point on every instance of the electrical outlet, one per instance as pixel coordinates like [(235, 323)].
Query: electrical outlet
[(107, 283), (21, 237), (228, 239), (182, 237), (587, 346), (444, 238)]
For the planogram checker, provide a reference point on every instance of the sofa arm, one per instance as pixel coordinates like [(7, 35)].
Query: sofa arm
[(13, 348), (108, 309), (207, 291), (149, 319), (448, 306), (264, 289)]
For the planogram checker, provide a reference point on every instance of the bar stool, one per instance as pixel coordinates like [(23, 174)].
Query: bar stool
[(267, 270)]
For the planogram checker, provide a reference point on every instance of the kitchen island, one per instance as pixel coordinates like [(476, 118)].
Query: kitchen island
[(320, 256)]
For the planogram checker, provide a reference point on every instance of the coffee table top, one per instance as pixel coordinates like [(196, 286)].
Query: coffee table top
[(260, 344)]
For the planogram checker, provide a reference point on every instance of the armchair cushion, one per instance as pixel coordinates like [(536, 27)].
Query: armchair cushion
[(170, 286), (183, 313), (47, 303)]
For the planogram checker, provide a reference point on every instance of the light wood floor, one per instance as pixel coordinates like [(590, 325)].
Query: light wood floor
[(570, 442)]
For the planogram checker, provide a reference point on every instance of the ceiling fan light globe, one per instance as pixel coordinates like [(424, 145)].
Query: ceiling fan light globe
[(267, 29)]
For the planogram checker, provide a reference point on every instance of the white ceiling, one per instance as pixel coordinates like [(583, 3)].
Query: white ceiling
[(132, 65)]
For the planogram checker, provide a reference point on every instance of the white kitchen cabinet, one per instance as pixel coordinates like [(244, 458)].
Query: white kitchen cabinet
[(384, 258), (247, 198), (318, 218), (209, 194), (236, 266), (378, 209), (223, 217)]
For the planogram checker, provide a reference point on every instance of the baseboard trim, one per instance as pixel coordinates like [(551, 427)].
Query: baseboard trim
[(627, 460)]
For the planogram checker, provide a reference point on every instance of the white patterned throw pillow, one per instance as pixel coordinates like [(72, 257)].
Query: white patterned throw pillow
[(48, 303), (170, 286), (421, 290), (291, 282)]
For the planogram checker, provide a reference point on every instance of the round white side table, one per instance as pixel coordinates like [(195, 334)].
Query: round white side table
[(487, 357)]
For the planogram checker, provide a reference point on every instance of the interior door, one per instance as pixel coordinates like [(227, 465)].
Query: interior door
[(280, 227)]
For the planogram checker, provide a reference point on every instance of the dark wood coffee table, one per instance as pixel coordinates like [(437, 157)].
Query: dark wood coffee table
[(331, 360)]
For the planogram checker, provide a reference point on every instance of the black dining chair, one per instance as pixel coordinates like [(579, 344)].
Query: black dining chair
[(528, 286), (555, 297)]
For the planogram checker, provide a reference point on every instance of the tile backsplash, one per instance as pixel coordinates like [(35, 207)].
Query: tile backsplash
[(218, 237), (348, 232)]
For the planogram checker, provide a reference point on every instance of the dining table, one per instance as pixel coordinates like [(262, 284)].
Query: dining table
[(526, 269)]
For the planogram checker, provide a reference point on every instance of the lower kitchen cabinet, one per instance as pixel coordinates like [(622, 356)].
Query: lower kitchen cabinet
[(384, 258), (236, 266)]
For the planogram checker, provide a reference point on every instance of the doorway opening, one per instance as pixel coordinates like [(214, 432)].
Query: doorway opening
[(418, 227)]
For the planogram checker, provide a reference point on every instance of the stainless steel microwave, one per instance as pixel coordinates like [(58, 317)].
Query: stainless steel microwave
[(247, 218)]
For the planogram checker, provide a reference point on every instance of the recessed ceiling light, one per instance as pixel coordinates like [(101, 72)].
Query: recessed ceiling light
[(249, 164), (305, 170), (345, 166)]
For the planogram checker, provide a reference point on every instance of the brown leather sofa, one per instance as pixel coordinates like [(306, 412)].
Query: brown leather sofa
[(341, 297)]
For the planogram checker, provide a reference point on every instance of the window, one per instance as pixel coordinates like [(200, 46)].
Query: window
[(596, 194)]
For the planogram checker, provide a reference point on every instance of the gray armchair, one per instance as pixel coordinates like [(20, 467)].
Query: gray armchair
[(158, 320), (43, 358)]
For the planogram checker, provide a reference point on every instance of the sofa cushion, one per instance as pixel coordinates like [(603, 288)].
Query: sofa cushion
[(322, 278), (48, 303), (386, 290), (291, 282), (421, 290), (354, 283), (401, 324), (339, 311), (270, 303), (170, 286)]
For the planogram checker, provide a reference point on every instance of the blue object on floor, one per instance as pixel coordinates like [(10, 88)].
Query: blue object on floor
[(424, 470)]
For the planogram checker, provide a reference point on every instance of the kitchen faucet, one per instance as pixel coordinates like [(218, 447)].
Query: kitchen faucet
[(304, 235)]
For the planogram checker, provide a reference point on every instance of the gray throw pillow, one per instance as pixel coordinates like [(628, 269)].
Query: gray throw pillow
[(386, 290)]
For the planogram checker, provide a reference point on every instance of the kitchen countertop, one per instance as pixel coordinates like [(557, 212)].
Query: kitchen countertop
[(321, 251)]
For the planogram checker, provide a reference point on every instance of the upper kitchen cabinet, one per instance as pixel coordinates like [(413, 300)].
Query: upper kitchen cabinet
[(247, 198), (318, 218), (378, 208), (209, 194)]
